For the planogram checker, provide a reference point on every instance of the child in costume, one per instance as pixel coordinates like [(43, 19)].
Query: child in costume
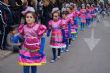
[(71, 27), (65, 22), (88, 15), (56, 41), (83, 17), (32, 53), (76, 19), (93, 12), (98, 9)]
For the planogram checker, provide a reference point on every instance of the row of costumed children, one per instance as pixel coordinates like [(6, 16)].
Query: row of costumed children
[(63, 28)]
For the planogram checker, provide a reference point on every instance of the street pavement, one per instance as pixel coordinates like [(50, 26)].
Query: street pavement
[(4, 53), (82, 58)]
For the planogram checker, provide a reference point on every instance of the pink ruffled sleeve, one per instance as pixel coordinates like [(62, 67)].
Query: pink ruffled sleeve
[(62, 24), (74, 15), (21, 29), (78, 13), (70, 20), (41, 30)]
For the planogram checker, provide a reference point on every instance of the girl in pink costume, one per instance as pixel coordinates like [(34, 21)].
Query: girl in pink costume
[(71, 25), (83, 17), (93, 12), (76, 19), (31, 55), (65, 22), (56, 42), (88, 14)]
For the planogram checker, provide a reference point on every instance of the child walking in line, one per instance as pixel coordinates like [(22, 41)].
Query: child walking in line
[(76, 13), (83, 17), (88, 15), (65, 23), (32, 53), (93, 12), (56, 35), (71, 30)]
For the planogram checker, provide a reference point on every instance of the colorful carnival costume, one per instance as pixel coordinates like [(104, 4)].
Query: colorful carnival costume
[(88, 16), (56, 41), (71, 25), (83, 18), (56, 35), (31, 54), (76, 20), (65, 23), (93, 13), (76, 17)]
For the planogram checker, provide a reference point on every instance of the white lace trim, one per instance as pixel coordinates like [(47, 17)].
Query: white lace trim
[(64, 46)]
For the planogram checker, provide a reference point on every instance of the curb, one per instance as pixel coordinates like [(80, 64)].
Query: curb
[(4, 53)]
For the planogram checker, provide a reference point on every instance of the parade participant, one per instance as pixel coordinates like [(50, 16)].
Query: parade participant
[(76, 13), (98, 9), (88, 14), (93, 12), (83, 17), (65, 22), (72, 30), (56, 35), (53, 10), (32, 53)]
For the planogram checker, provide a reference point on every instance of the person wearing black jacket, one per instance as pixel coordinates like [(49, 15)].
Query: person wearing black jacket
[(16, 8), (46, 14), (6, 20)]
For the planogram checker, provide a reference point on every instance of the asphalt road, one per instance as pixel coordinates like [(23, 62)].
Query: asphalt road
[(82, 58)]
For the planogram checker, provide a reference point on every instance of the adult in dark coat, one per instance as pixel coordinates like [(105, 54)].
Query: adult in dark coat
[(16, 8), (6, 20), (46, 14), (47, 8)]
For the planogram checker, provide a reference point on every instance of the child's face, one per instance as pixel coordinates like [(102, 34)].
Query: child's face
[(91, 6), (75, 6), (30, 18), (64, 16), (87, 6), (68, 9), (55, 16), (83, 7), (14, 32)]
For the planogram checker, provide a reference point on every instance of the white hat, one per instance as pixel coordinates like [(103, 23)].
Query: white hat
[(88, 4), (63, 9), (74, 4), (83, 5), (28, 9), (55, 9), (67, 5), (71, 4)]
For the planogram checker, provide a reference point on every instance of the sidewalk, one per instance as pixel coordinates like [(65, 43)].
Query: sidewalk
[(4, 53)]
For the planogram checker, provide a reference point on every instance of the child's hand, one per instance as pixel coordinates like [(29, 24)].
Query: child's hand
[(45, 34), (19, 44), (63, 27)]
